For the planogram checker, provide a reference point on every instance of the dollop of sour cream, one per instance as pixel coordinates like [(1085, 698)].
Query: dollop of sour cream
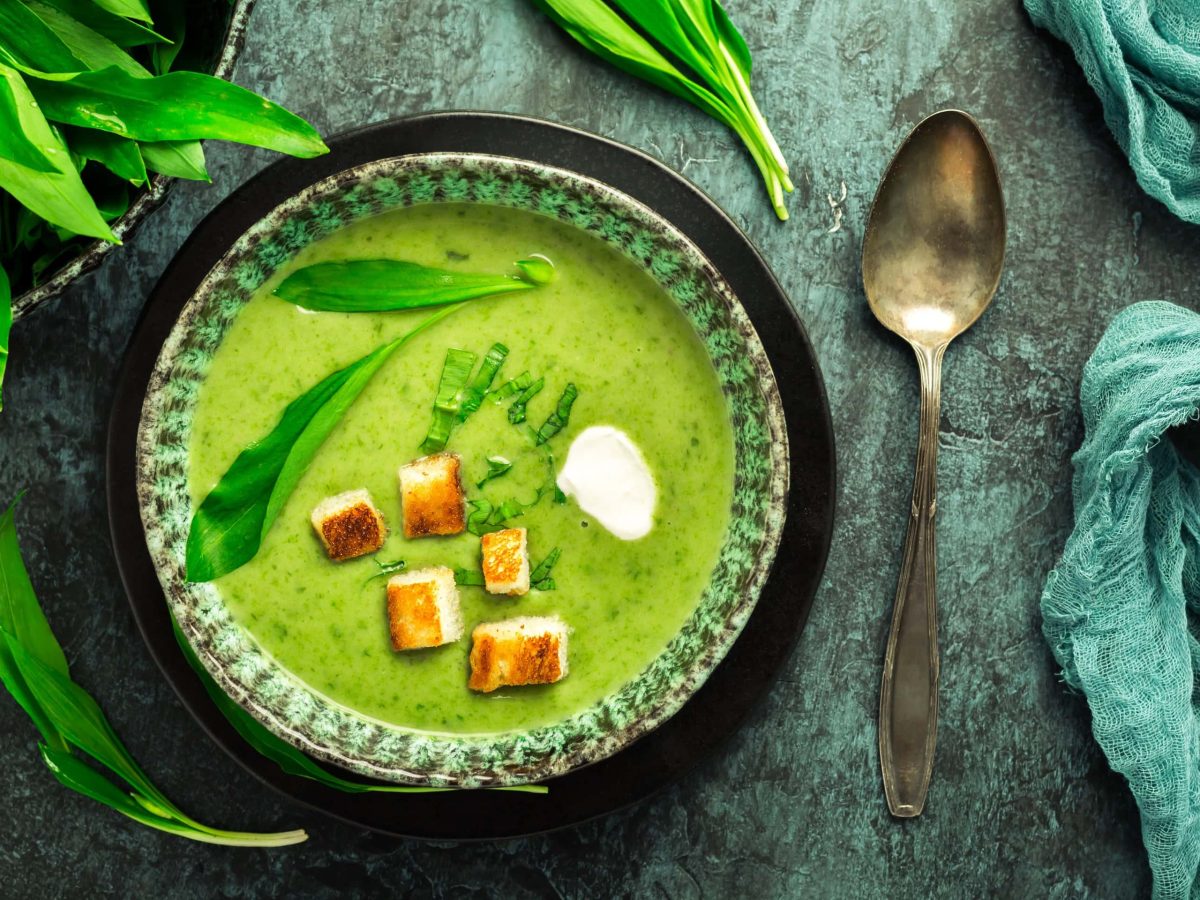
[(609, 479)]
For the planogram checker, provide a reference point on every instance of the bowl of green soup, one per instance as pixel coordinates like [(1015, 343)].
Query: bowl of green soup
[(647, 472)]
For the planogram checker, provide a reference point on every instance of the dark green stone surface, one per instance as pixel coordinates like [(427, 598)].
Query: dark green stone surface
[(1022, 802)]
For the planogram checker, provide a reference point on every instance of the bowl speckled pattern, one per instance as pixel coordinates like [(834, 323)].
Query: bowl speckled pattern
[(334, 733)]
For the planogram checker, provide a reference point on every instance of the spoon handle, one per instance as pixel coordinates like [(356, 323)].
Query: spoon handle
[(908, 699)]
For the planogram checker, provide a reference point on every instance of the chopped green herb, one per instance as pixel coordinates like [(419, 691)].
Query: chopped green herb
[(497, 466), (477, 518), (540, 576), (468, 577), (34, 670), (381, 285), (516, 412), (486, 516), (230, 525), (561, 415), (455, 373), (482, 382), (512, 386), (388, 568)]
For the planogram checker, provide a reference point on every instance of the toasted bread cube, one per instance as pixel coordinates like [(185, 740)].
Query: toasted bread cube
[(349, 525), (524, 650), (422, 608), (433, 496), (506, 562)]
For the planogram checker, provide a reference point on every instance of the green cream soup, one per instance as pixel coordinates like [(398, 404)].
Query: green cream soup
[(604, 325)]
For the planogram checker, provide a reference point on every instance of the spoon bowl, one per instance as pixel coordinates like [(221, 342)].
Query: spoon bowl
[(932, 256), (934, 246)]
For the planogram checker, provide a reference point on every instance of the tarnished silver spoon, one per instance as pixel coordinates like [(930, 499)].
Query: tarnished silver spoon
[(931, 260)]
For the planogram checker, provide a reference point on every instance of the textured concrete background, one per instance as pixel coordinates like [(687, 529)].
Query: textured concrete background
[(1022, 803)]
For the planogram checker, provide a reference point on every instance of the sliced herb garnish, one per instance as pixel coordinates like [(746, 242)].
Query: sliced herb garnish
[(387, 568), (34, 670), (468, 577), (482, 382), (380, 285), (516, 412), (512, 386), (687, 47), (497, 466), (230, 525), (540, 576), (455, 373), (560, 417), (477, 518), (486, 516), (287, 757)]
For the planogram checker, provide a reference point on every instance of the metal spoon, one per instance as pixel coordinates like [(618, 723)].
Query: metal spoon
[(931, 261)]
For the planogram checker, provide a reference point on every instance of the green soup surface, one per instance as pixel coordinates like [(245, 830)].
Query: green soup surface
[(602, 324)]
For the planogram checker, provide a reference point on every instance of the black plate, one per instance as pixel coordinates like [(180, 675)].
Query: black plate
[(743, 677)]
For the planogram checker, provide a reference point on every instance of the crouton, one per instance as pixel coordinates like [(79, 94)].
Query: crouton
[(506, 562), (433, 496), (525, 650), (422, 608), (349, 525)]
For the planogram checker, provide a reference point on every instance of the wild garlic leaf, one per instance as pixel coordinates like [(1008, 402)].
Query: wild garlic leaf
[(119, 155), (118, 29), (59, 196), (34, 670), (230, 524), (171, 20), (80, 720), (130, 9), (20, 613), (6, 318), (94, 50), (31, 42), (178, 106), (379, 285), (76, 775), (179, 159), (599, 29), (15, 146), (709, 64)]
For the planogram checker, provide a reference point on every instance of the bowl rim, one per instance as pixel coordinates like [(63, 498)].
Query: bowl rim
[(147, 200), (551, 764)]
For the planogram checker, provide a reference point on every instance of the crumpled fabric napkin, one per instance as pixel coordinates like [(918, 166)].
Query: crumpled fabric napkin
[(1143, 58), (1122, 608)]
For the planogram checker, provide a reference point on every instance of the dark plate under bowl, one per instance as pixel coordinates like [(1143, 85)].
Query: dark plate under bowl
[(747, 671)]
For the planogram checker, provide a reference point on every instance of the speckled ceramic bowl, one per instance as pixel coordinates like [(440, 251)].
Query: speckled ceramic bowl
[(332, 732)]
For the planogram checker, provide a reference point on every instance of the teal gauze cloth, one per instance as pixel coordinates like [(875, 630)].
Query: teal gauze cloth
[(1121, 608), (1143, 58)]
